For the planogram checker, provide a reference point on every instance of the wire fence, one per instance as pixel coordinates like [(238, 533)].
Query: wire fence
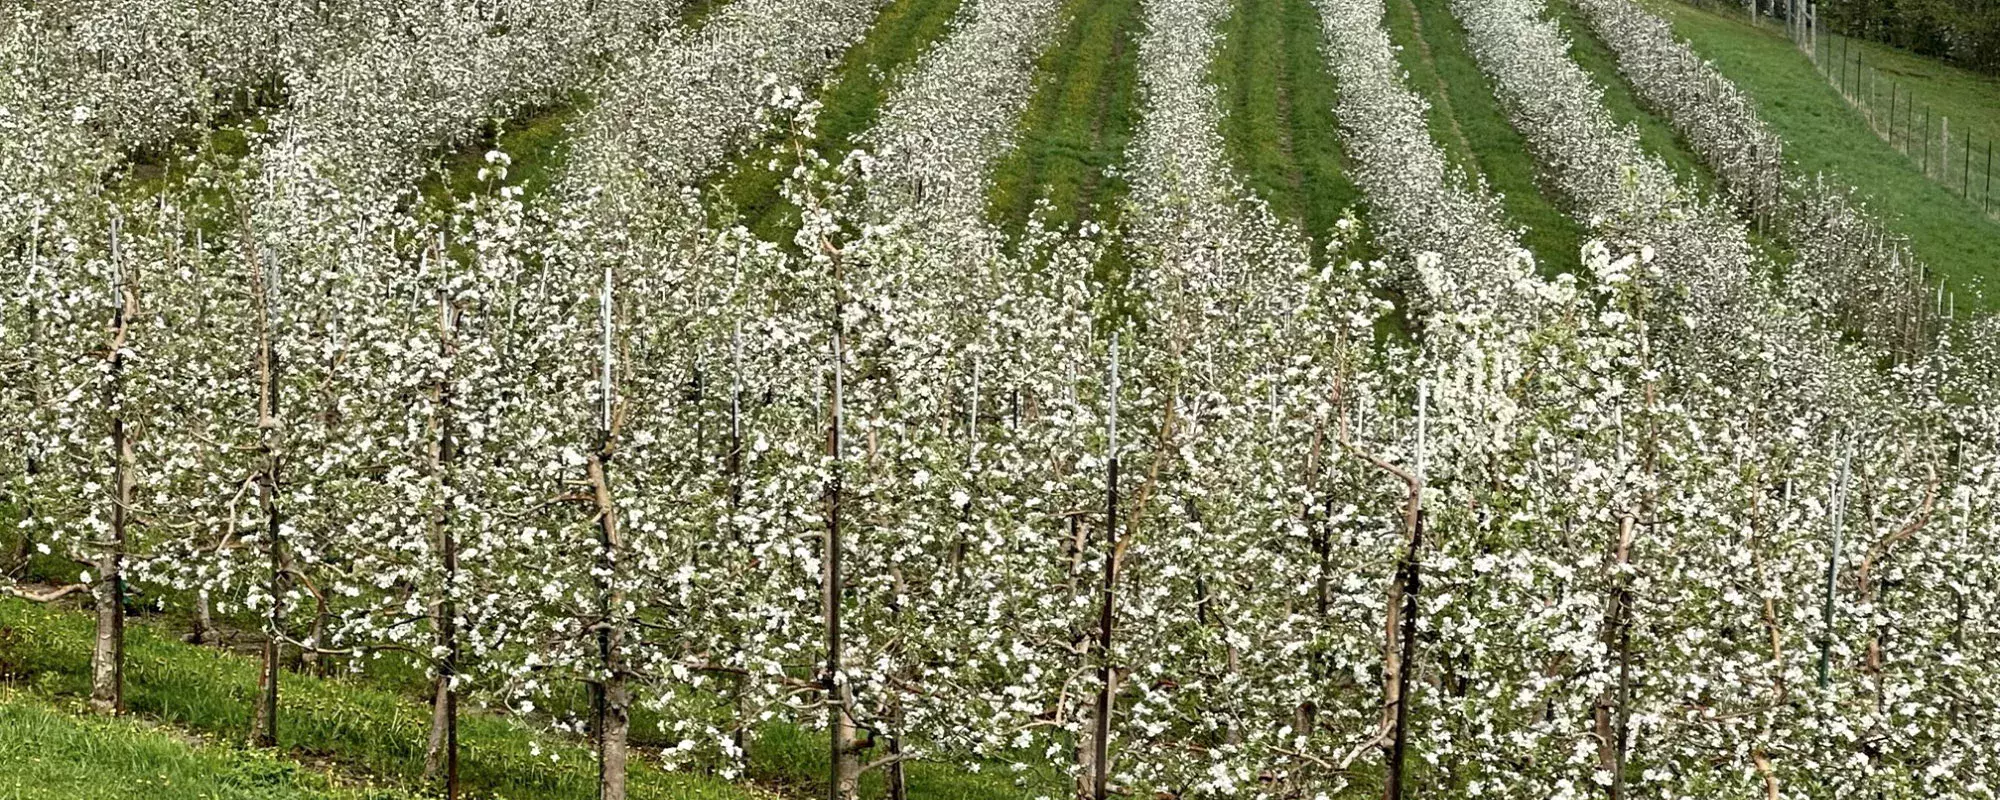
[(1959, 159)]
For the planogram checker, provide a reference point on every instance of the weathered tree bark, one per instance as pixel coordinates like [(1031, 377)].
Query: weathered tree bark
[(311, 660), (444, 451), (202, 629), (615, 696), (107, 656), (264, 722), (1086, 754), (440, 719)]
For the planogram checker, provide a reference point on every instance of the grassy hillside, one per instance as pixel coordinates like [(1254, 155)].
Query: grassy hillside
[(1825, 135)]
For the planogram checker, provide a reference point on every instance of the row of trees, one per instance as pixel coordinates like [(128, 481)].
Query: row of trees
[(1863, 274)]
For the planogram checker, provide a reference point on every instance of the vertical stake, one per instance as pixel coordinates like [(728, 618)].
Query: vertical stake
[(1839, 503), (1101, 746)]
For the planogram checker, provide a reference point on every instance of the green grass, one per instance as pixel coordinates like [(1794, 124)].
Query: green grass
[(50, 753), (1073, 134), (1468, 123), (795, 761), (362, 728), (1824, 135), (850, 102), (375, 724), (1281, 132), (1970, 100), (536, 144)]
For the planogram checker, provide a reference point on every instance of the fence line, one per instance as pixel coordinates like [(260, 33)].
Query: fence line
[(1963, 164)]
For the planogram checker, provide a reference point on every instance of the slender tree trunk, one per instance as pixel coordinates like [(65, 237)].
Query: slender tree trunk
[(734, 465), (1398, 692), (614, 707), (1611, 704), (264, 725), (107, 658), (444, 716), (611, 695), (1100, 758), (845, 769)]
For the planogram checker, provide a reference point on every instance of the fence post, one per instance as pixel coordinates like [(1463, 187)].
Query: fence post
[(1892, 114), (1965, 176), (1987, 196), (1843, 65), (1926, 151), (1944, 148)]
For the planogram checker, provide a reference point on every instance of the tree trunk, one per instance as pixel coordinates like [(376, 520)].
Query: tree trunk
[(203, 629), (1100, 757), (444, 718), (107, 656), (615, 698), (440, 719), (845, 769), (1610, 712), (264, 725), (311, 660), (1398, 678), (1086, 754)]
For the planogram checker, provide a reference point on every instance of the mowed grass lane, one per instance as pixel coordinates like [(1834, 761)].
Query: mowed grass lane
[(850, 100), (1072, 137), (1282, 135), (1468, 122)]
